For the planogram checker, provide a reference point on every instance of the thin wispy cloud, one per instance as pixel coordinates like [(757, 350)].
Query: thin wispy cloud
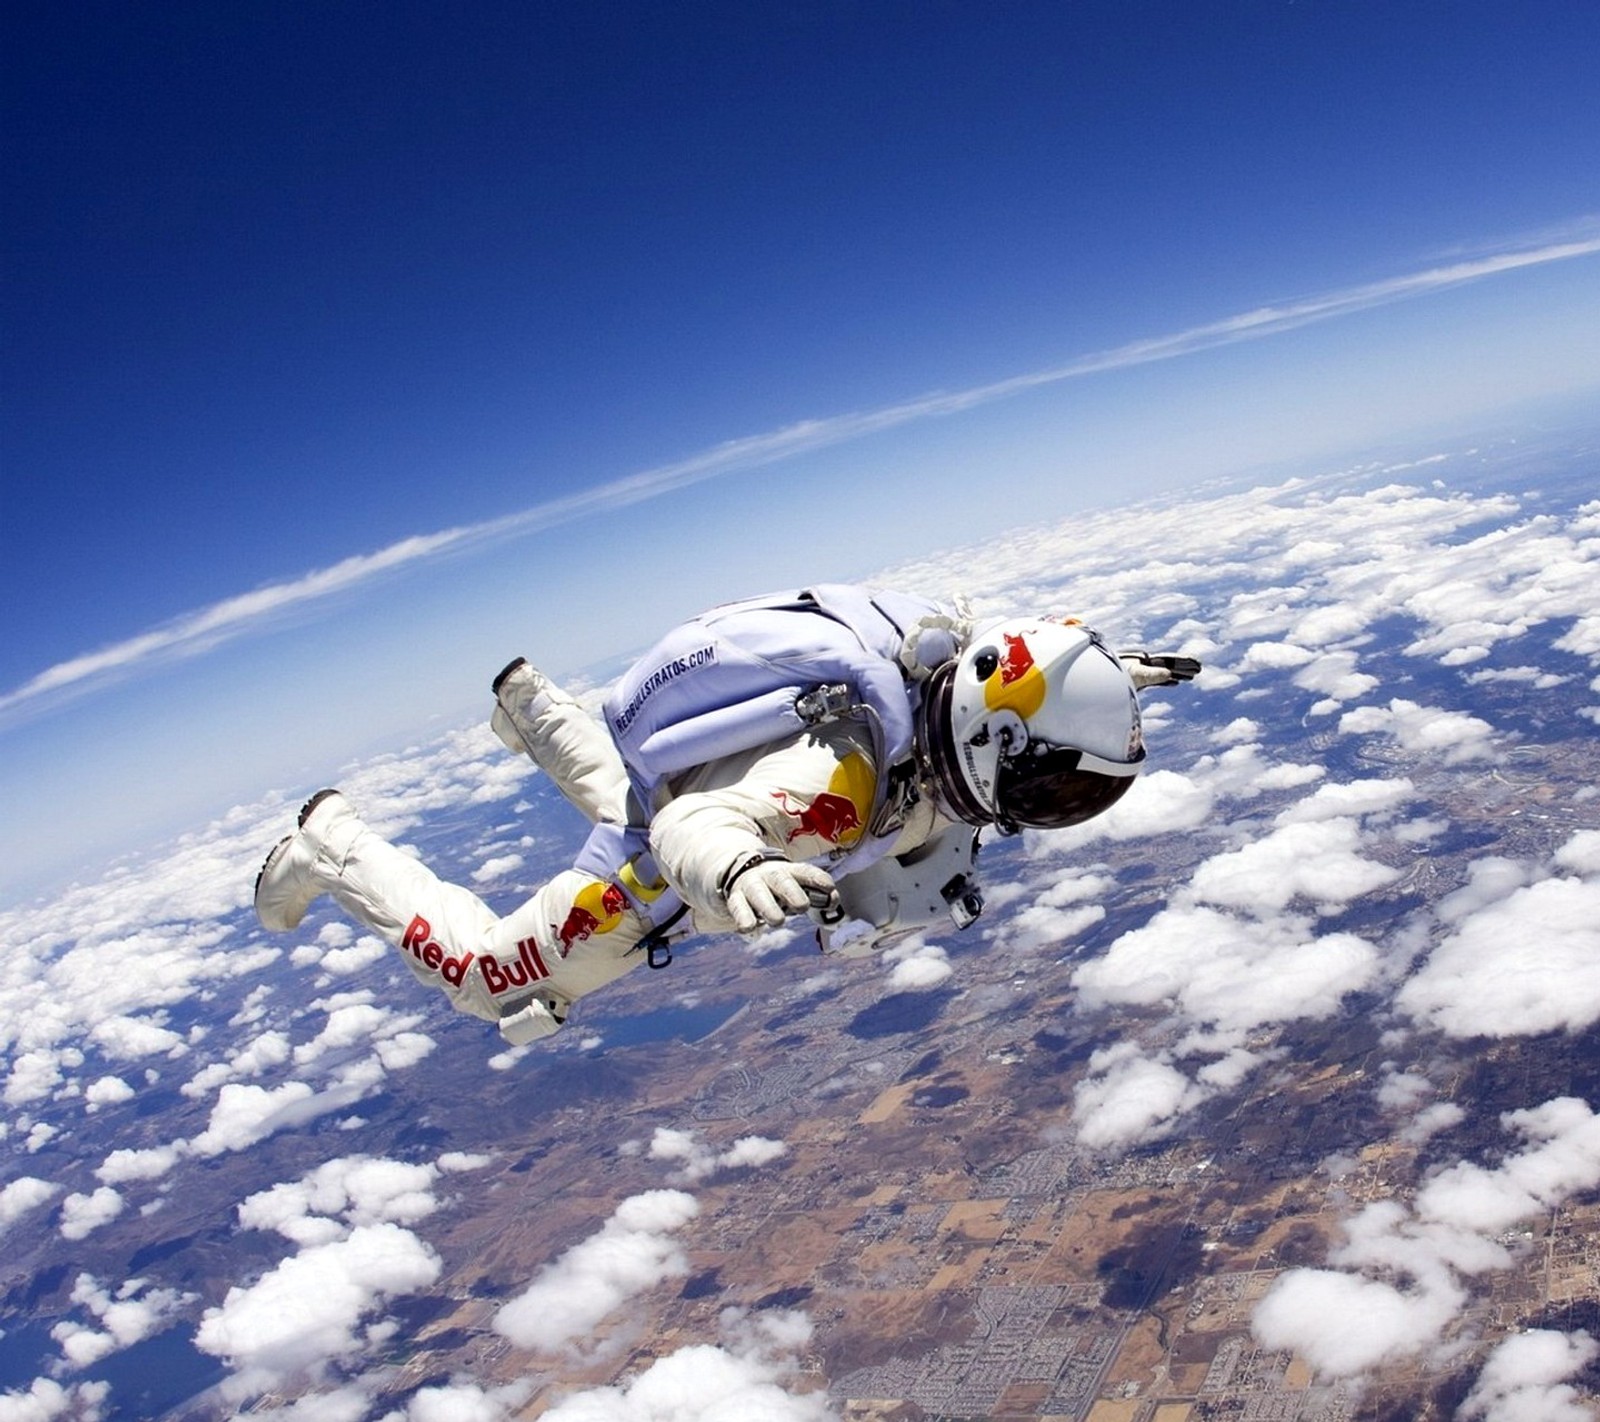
[(199, 631)]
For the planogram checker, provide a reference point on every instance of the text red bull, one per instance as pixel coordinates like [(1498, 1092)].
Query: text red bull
[(526, 969), (418, 938)]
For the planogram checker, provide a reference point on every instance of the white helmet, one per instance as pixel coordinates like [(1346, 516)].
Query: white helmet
[(1035, 723)]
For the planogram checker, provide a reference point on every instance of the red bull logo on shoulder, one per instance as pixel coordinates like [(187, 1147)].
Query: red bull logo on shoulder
[(829, 817), (839, 814)]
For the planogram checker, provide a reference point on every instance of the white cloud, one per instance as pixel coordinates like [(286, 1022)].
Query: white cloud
[(129, 1038), (464, 1401), (34, 1075), (1581, 853), (1525, 1379), (1402, 1090), (1345, 1324), (348, 1023), (128, 1317), (350, 1403), (1128, 1098), (1226, 972), (632, 1252), (1355, 797), (497, 868), (1399, 1281), (107, 1091), (364, 952), (1334, 622), (244, 1113), (916, 965), (1242, 772), (309, 1310), (697, 1160), (745, 1378), (1334, 674), (404, 1049), (1563, 1159), (1317, 860), (150, 1163), (1237, 732), (18, 1197), (46, 1400), (1441, 1116), (1423, 730), (1042, 925), (751, 1151), (1274, 656), (1489, 880), (1529, 676), (1527, 963), (260, 1055), (82, 1214), (1583, 639), (358, 1189)]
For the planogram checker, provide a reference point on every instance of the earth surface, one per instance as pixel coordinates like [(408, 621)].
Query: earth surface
[(1267, 1096)]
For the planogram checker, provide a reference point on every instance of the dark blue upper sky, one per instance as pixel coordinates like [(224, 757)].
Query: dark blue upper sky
[(284, 284)]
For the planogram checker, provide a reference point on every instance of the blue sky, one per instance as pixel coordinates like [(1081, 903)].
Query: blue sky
[(287, 286)]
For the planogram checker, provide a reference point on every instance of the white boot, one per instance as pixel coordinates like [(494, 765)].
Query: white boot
[(287, 882), (536, 718), (522, 694)]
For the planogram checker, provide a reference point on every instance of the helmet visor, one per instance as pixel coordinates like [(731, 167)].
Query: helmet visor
[(1054, 790)]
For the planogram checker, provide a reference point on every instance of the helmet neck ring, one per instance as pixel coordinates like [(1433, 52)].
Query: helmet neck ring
[(938, 752)]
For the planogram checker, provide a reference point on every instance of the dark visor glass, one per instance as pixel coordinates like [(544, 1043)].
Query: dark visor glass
[(1050, 792)]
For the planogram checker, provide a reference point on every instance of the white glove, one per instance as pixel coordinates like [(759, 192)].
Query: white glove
[(765, 889), (1147, 669)]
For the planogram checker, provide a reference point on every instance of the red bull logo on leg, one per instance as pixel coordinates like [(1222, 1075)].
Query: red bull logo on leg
[(596, 908)]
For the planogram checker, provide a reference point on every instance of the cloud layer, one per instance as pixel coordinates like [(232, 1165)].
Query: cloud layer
[(1350, 809)]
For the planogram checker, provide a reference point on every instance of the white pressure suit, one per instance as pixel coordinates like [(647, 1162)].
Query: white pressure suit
[(776, 730), (832, 750)]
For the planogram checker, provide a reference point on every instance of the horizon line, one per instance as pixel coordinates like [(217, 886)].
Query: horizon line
[(197, 632)]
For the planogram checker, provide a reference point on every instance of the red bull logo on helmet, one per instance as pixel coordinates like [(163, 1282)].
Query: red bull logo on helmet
[(596, 908), (1016, 684), (1017, 662)]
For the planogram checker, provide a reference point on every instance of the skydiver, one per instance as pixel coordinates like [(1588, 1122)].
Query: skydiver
[(831, 752)]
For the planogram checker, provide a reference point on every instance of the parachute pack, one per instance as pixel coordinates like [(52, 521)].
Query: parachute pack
[(754, 673)]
